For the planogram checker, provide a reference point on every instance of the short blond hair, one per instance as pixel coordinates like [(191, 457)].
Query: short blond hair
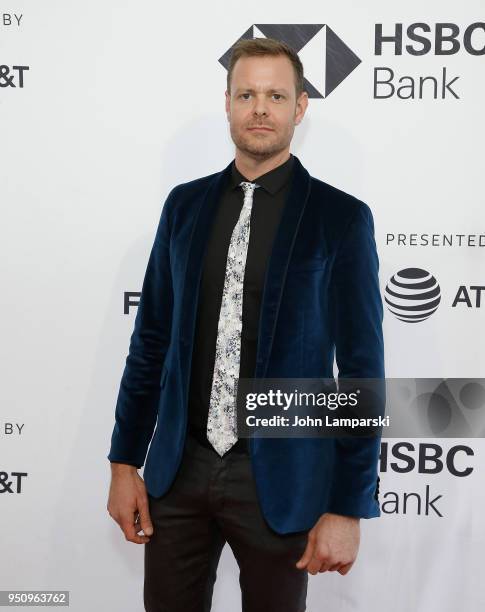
[(250, 47)]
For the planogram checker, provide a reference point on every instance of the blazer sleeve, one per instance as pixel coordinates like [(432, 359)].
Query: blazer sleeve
[(359, 350), (137, 404)]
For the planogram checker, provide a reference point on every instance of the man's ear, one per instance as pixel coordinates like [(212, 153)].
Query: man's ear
[(227, 102)]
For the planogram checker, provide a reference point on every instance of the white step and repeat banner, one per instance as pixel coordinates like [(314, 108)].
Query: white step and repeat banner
[(104, 107)]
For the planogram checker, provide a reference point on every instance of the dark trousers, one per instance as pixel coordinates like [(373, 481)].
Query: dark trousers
[(212, 501)]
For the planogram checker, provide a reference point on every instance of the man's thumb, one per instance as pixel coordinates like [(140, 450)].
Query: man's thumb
[(145, 522), (307, 555)]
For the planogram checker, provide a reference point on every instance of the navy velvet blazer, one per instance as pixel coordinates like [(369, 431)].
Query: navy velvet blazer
[(321, 299)]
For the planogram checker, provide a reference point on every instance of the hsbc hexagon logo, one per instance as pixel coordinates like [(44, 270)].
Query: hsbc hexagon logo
[(327, 59)]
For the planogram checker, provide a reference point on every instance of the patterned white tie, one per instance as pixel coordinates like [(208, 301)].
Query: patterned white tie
[(221, 421)]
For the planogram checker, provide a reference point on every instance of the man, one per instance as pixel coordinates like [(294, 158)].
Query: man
[(219, 301)]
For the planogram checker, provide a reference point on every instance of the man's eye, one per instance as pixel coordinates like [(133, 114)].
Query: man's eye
[(279, 96)]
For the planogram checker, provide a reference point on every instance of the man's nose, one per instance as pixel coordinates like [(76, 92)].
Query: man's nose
[(260, 106)]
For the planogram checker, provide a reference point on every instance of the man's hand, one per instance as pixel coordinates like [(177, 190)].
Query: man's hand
[(332, 545), (128, 503)]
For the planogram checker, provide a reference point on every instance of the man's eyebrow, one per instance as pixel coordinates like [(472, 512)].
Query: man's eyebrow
[(248, 89)]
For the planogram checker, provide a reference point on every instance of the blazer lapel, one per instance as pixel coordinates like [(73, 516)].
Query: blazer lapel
[(278, 263), (196, 250), (276, 268)]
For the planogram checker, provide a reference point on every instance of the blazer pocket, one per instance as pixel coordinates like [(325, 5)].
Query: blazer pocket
[(308, 264), (163, 377)]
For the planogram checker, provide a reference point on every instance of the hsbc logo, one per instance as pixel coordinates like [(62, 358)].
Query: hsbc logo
[(328, 60), (442, 39), (326, 57)]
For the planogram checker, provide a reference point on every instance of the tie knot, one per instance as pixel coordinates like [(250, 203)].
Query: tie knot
[(248, 187)]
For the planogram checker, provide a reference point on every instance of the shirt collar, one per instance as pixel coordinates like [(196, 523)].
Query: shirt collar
[(271, 181)]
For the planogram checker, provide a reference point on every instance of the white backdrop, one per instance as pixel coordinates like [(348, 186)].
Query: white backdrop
[(120, 102)]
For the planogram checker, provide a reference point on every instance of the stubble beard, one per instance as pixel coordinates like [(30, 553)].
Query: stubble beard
[(258, 148)]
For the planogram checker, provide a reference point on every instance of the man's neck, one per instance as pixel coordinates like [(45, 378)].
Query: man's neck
[(251, 168)]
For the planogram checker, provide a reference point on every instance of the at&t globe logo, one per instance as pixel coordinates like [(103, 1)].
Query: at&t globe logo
[(412, 295)]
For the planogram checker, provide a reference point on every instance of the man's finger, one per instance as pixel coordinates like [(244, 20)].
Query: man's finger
[(334, 567), (345, 568), (128, 528), (318, 564)]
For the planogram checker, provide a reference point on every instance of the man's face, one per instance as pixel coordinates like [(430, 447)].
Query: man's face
[(263, 95)]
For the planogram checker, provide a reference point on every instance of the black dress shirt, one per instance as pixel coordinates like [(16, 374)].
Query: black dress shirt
[(268, 202)]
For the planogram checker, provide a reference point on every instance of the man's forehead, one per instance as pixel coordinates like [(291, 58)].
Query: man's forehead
[(264, 65)]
